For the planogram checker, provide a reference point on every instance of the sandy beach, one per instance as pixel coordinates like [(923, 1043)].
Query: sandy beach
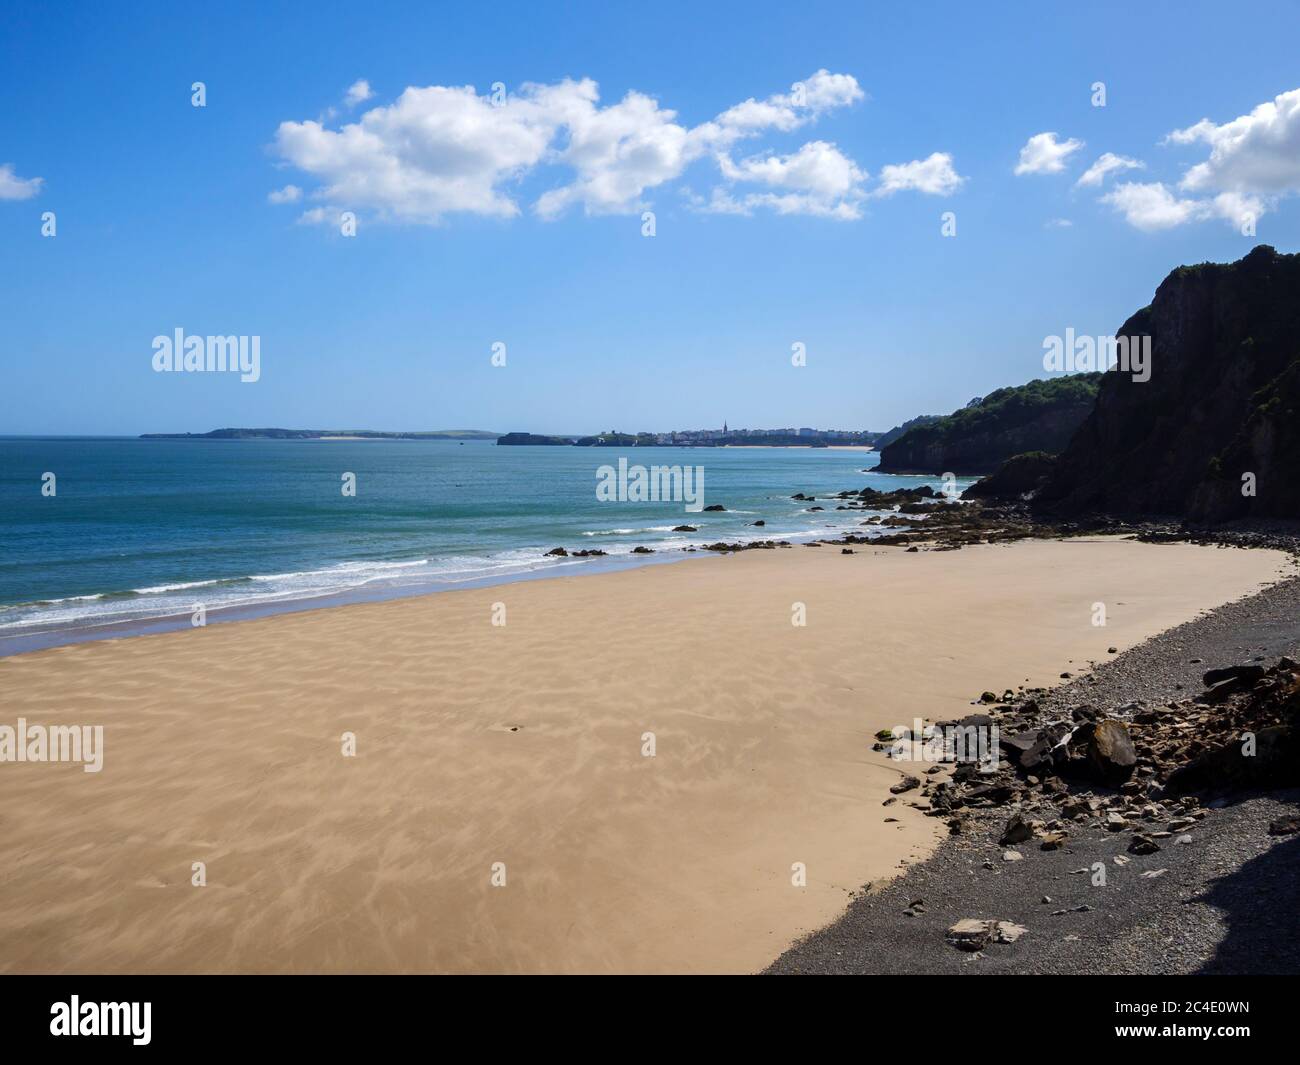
[(523, 744)]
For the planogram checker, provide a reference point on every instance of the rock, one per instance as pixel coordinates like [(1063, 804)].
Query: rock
[(973, 934), (638, 550), (1112, 650), (713, 507), (970, 934), (1184, 840), (1141, 844), (1017, 831), (685, 528), (1151, 874), (1110, 752), (1284, 826), (1116, 822), (1028, 750), (760, 522), (1249, 674), (846, 550), (1053, 841), (1012, 856), (906, 784), (1006, 932)]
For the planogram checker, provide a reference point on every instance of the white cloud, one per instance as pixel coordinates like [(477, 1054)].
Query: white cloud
[(444, 149), (433, 151), (1058, 223), (934, 175), (1256, 153), (805, 102), (319, 216), (358, 92), (1106, 164), (618, 152), (818, 179), (1154, 206), (288, 194), (1044, 154), (1254, 161), (12, 187)]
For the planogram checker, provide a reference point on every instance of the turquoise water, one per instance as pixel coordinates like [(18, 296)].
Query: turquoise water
[(143, 530)]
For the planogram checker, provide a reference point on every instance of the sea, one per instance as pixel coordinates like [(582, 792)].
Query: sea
[(109, 536)]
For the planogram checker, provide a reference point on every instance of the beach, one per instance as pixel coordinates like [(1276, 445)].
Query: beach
[(519, 752)]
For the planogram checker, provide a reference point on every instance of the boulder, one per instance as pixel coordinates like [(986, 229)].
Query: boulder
[(1110, 752)]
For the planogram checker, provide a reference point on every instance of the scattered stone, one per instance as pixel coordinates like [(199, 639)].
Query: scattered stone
[(906, 784), (1141, 844), (1017, 831), (1012, 856)]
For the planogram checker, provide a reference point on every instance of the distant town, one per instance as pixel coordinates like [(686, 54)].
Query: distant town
[(724, 437)]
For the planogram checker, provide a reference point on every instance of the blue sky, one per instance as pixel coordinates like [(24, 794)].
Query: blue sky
[(477, 225)]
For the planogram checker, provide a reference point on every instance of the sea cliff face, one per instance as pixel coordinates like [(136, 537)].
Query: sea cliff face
[(1038, 416), (1212, 435)]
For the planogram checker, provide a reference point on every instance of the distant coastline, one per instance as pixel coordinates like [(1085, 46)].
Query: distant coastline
[(325, 434)]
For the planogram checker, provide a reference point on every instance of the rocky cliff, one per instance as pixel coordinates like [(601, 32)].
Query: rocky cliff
[(1212, 435), (1038, 416)]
